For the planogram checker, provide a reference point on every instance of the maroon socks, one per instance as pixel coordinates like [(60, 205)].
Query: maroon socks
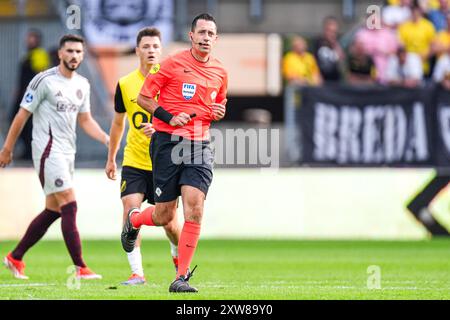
[(36, 230), (70, 233)]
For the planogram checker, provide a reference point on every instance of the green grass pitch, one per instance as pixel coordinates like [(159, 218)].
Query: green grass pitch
[(244, 269)]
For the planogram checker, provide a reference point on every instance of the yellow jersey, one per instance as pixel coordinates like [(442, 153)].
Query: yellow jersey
[(417, 37), (39, 60), (300, 66), (443, 37), (136, 153)]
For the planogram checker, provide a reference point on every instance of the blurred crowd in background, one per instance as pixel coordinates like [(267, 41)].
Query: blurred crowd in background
[(409, 47), (406, 43)]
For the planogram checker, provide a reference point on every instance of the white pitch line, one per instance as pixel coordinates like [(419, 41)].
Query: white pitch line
[(28, 285)]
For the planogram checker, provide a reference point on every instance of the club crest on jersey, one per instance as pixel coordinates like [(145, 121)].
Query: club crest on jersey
[(155, 68), (59, 182), (188, 90)]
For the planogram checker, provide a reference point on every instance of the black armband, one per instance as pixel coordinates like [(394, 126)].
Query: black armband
[(163, 115)]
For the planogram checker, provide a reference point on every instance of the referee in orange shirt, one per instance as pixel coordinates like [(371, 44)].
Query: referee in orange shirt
[(192, 87)]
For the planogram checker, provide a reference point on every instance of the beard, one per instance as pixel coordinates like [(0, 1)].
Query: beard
[(66, 64)]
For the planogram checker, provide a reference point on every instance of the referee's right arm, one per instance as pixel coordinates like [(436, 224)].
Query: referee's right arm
[(159, 112), (157, 79), (147, 103)]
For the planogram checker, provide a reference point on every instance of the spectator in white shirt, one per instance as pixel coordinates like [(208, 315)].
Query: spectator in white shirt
[(404, 69), (394, 15), (441, 72)]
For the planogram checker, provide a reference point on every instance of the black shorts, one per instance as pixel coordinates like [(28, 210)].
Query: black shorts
[(137, 181), (177, 162)]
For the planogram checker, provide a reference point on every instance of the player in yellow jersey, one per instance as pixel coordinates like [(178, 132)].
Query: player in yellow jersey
[(137, 180)]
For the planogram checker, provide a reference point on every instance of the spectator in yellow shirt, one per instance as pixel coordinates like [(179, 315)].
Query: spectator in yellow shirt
[(299, 66), (417, 36)]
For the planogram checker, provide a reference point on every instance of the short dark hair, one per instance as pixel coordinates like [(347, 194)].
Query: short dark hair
[(329, 19), (147, 32), (416, 6), (35, 33), (202, 16), (70, 38), (401, 49)]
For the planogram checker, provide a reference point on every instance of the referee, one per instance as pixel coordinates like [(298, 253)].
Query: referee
[(192, 86)]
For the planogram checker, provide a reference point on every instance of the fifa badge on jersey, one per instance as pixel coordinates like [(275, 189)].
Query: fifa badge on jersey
[(28, 97), (188, 90)]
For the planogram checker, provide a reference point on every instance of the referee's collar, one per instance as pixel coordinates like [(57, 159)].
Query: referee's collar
[(198, 61)]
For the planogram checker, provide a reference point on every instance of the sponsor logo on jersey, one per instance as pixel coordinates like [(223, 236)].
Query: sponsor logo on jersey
[(28, 97), (213, 96), (158, 191), (188, 90), (59, 182), (123, 187), (65, 106)]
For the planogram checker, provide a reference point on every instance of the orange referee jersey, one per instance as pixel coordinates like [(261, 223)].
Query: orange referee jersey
[(187, 85)]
